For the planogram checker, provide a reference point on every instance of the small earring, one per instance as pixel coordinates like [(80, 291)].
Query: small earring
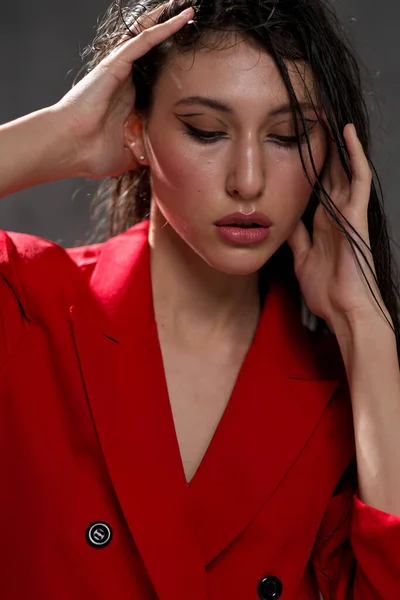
[(141, 157)]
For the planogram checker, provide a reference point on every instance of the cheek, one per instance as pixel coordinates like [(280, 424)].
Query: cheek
[(177, 182), (175, 167), (286, 179), (288, 183), (293, 178), (166, 164)]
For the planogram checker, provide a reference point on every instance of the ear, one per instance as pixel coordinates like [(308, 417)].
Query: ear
[(133, 137)]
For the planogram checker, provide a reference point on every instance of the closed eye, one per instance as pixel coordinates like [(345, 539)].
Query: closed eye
[(208, 137)]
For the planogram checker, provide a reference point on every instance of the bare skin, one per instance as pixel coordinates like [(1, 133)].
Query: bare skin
[(83, 134), (205, 290)]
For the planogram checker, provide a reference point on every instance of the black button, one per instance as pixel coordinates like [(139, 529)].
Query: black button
[(270, 588), (99, 534)]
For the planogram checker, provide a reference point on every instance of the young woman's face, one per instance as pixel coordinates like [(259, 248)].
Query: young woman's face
[(247, 167)]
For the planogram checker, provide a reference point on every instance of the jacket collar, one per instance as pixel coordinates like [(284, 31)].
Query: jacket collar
[(277, 402)]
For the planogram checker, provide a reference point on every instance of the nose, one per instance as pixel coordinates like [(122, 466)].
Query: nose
[(246, 177)]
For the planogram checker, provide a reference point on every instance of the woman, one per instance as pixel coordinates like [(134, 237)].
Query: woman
[(170, 428)]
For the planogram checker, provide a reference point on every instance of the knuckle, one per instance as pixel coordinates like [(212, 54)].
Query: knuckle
[(146, 34), (364, 175), (367, 168), (147, 39), (344, 196)]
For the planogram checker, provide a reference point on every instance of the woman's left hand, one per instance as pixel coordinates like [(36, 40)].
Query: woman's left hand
[(329, 277)]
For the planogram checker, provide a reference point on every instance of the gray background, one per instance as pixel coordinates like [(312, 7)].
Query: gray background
[(40, 45)]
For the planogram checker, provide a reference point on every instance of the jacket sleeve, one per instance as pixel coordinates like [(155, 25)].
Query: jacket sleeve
[(357, 552)]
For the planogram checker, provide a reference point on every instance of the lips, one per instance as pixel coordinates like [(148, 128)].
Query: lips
[(256, 219)]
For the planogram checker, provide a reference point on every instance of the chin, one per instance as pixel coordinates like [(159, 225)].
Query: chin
[(233, 266)]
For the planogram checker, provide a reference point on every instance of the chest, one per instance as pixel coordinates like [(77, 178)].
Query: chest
[(232, 504), (200, 386)]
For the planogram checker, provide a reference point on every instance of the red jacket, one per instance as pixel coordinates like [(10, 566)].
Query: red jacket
[(94, 504)]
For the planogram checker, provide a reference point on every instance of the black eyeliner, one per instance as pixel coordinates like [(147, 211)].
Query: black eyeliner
[(210, 136)]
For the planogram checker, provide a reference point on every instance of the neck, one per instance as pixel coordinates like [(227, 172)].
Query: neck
[(193, 303)]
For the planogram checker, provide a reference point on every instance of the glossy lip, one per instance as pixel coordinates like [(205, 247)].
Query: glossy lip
[(243, 235), (238, 218)]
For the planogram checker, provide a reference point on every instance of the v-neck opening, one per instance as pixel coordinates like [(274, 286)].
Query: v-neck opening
[(233, 399), (228, 408)]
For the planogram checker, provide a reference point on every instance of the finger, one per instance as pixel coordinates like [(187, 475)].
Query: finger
[(150, 37), (340, 184), (362, 174), (326, 172), (325, 175), (142, 22), (148, 19), (300, 243)]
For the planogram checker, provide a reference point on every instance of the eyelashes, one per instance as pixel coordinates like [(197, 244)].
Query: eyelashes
[(208, 137)]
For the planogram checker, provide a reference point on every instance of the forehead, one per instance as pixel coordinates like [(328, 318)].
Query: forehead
[(242, 75)]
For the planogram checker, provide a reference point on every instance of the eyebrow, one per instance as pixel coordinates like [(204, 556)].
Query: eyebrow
[(215, 104)]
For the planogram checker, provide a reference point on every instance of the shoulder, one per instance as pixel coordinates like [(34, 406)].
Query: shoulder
[(30, 251), (40, 277), (25, 247), (26, 258), (31, 262)]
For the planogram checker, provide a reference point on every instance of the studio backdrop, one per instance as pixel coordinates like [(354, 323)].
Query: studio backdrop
[(40, 47)]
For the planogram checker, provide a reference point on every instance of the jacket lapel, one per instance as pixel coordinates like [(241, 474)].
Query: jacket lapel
[(278, 400), (117, 345), (277, 403)]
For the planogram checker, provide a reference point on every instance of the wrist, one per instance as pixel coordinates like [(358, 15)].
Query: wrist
[(35, 149), (358, 323), (362, 334), (70, 160)]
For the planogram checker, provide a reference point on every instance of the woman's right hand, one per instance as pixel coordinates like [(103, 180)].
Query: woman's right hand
[(96, 109)]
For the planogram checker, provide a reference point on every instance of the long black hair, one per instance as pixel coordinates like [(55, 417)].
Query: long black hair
[(289, 31)]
